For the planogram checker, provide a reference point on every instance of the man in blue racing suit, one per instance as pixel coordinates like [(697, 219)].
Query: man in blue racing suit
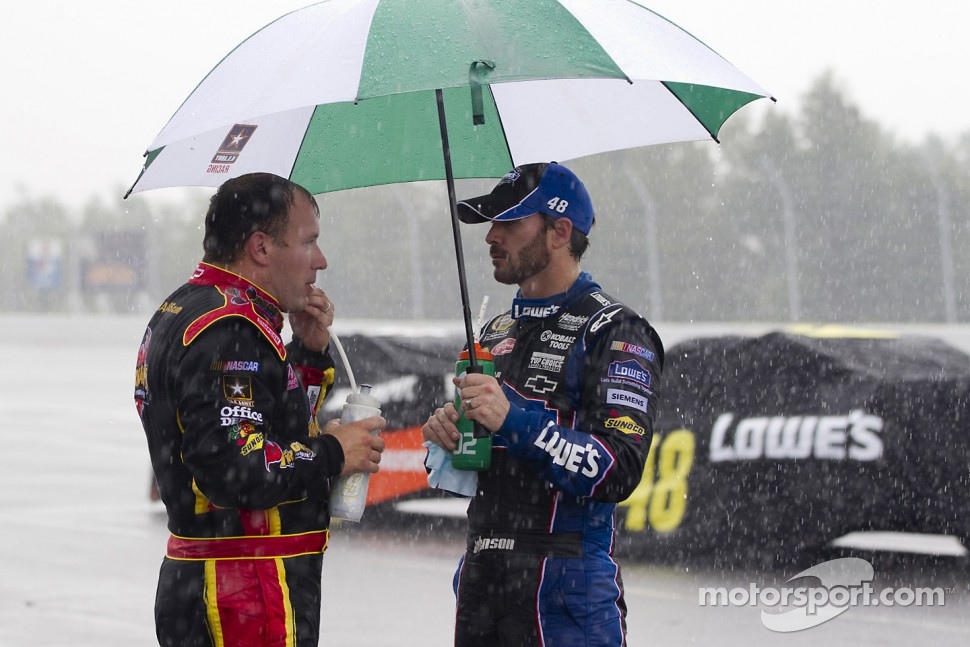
[(571, 411)]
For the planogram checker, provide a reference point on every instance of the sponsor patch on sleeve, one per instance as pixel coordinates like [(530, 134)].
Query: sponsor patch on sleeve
[(275, 454), (238, 389), (633, 349), (234, 366), (626, 399), (631, 371), (626, 425), (291, 380)]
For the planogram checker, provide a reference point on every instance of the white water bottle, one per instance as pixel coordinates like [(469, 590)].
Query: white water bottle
[(348, 494)]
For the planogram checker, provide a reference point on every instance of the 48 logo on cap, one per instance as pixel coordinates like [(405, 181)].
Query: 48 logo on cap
[(558, 205)]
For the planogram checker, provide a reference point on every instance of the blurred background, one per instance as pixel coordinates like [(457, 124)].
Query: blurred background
[(846, 201), (821, 215), (818, 216)]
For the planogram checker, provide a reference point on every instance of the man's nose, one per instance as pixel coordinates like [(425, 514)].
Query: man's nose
[(492, 236)]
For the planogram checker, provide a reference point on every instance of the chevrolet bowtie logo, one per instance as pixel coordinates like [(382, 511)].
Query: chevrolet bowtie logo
[(541, 384)]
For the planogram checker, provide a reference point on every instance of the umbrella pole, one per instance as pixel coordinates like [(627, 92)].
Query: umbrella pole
[(459, 253)]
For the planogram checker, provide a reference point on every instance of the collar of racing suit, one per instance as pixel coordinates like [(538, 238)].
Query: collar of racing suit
[(523, 308), (265, 303)]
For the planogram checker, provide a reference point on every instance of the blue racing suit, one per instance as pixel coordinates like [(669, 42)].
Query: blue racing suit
[(581, 371)]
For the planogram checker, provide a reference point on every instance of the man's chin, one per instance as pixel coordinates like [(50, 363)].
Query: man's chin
[(503, 278), (295, 306)]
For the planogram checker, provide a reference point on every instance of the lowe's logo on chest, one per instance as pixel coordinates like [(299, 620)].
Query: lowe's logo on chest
[(536, 312), (630, 370)]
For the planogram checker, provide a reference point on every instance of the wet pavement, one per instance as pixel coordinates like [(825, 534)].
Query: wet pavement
[(82, 541)]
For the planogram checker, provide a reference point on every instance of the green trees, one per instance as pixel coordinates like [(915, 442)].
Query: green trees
[(820, 217), (816, 216)]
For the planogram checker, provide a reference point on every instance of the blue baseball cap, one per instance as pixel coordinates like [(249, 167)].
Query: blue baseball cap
[(551, 189)]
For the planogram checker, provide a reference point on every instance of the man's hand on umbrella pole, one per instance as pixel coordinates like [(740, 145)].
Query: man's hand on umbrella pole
[(482, 400)]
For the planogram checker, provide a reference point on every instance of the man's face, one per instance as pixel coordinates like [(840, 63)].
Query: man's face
[(296, 258), (518, 249)]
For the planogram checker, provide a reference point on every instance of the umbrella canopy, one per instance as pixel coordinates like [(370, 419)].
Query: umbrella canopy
[(341, 94), (355, 93)]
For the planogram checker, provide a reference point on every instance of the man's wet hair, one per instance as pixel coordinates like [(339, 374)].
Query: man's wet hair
[(578, 241), (244, 205)]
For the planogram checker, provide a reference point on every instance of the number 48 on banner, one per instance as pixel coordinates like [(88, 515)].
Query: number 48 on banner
[(661, 497)]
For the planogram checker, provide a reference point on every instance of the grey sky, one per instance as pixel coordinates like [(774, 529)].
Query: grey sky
[(87, 85)]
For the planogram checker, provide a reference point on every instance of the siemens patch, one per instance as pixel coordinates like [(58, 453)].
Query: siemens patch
[(627, 399)]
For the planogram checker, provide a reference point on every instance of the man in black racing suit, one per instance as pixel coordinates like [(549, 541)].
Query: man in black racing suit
[(571, 408), (229, 414)]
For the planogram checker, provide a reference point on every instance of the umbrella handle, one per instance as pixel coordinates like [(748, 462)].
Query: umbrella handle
[(453, 205), (473, 365), (476, 74)]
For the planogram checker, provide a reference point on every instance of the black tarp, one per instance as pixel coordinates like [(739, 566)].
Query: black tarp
[(766, 446), (798, 440)]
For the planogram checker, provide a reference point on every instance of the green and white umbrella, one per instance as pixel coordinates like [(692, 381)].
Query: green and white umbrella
[(353, 93)]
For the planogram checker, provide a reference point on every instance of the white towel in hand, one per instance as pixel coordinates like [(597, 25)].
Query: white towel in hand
[(444, 476)]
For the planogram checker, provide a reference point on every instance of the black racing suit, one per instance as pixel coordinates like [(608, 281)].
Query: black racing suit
[(581, 371), (229, 414)]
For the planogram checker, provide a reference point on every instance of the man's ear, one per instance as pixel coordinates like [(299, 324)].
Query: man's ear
[(257, 248), (562, 231)]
